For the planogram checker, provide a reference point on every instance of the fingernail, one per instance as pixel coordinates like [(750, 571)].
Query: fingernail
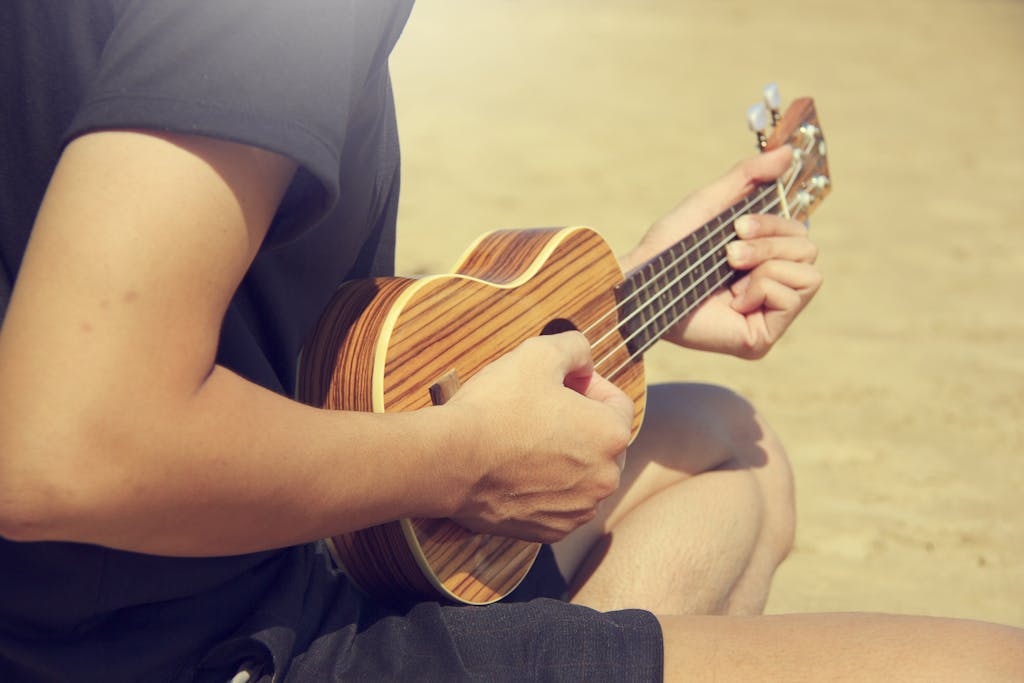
[(745, 225), (738, 251)]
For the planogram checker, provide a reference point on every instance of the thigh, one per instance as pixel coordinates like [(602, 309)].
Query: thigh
[(688, 429), (840, 647)]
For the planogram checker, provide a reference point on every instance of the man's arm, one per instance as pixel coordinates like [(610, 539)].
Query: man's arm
[(117, 428)]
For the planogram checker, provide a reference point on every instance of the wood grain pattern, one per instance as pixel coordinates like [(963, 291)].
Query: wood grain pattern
[(382, 343)]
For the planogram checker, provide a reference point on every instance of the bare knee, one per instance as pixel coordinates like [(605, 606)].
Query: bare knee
[(768, 463), (708, 426), (729, 432)]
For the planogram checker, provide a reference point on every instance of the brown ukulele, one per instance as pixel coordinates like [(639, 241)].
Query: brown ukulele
[(395, 344)]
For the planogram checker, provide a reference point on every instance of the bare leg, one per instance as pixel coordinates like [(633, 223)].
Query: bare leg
[(840, 647), (703, 517)]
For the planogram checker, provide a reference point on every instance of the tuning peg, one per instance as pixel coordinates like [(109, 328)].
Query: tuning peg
[(773, 101), (757, 119), (802, 200), (810, 133)]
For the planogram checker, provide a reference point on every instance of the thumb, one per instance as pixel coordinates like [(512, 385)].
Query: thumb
[(573, 361), (748, 174), (578, 374), (767, 165)]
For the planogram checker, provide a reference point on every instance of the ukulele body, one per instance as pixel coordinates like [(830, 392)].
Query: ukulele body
[(382, 343)]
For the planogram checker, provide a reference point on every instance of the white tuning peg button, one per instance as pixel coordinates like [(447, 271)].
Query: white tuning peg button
[(757, 119), (810, 133), (820, 182), (773, 101)]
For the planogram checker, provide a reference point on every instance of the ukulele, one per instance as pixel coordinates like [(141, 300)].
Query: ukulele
[(396, 344)]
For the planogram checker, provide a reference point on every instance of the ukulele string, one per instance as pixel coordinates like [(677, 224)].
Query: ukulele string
[(639, 352), (723, 230)]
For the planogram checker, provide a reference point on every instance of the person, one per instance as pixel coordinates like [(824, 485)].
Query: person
[(184, 186)]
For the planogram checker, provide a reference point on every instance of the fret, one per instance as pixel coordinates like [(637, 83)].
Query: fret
[(643, 312), (678, 293), (765, 205), (685, 246), (662, 295), (700, 284)]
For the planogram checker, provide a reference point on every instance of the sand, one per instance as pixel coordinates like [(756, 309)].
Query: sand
[(900, 391)]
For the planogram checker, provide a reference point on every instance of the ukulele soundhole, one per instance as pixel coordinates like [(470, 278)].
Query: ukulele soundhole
[(557, 326)]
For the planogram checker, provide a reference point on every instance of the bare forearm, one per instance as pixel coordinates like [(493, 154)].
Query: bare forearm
[(233, 468)]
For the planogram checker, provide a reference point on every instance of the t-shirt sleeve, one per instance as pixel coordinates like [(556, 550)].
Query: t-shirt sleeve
[(283, 76)]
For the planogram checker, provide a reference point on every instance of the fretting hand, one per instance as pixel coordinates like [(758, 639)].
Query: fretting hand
[(747, 318)]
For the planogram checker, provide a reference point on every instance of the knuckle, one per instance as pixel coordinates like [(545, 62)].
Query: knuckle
[(554, 346), (576, 338), (817, 279), (752, 350), (584, 517), (617, 438), (534, 344), (541, 351), (813, 252), (758, 353), (773, 270), (791, 299), (552, 535), (561, 527), (747, 257), (622, 437), (607, 482), (746, 170), (608, 486)]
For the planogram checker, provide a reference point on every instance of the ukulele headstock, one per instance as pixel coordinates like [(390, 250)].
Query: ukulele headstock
[(807, 182)]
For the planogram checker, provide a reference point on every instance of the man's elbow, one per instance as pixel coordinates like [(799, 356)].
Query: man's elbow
[(27, 512), (44, 490)]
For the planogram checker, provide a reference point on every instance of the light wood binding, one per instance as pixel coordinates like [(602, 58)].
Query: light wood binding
[(382, 343)]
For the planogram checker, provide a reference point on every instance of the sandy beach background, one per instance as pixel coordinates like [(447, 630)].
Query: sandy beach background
[(900, 392)]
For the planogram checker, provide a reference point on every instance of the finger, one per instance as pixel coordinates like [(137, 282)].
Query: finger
[(767, 295), (741, 179), (756, 225), (548, 528), (579, 375), (755, 170), (748, 254), (765, 166), (566, 354), (776, 285)]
